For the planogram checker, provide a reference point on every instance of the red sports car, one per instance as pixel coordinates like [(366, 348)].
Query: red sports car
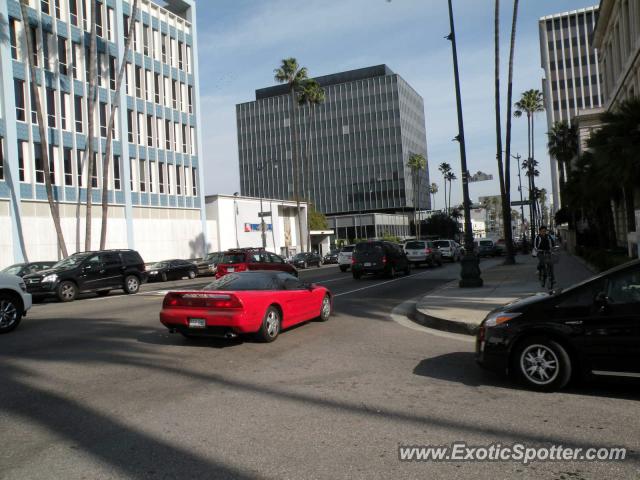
[(261, 302)]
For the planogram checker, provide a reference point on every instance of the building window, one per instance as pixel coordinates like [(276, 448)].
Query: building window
[(156, 85), (62, 55), (167, 132), (64, 106), (73, 9), (94, 170), (79, 162), (147, 85), (193, 141), (138, 80), (174, 93), (112, 72), (110, 18), (161, 177), (46, 46), (131, 174), (140, 126), (180, 64), (68, 166), (152, 166), (18, 87), (143, 178), (145, 40), (184, 138), (194, 181), (78, 112), (164, 48), (51, 107), (21, 149), (1, 158), (176, 136), (178, 180), (188, 59), (149, 131), (44, 6), (136, 26), (99, 30), (34, 43), (13, 38), (117, 185), (190, 98), (103, 119), (130, 120), (38, 163), (56, 4)]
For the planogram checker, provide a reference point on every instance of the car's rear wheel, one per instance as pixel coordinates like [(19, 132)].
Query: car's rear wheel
[(542, 364), (391, 272), (325, 310), (271, 324), (304, 265), (10, 312), (407, 269), (343, 268), (67, 291), (103, 293), (164, 277), (356, 275), (131, 285), (192, 274)]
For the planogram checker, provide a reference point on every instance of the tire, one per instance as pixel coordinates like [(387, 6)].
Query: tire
[(439, 263), (305, 266), (356, 275), (416, 264), (319, 264), (192, 274), (67, 291), (343, 268), (391, 273), (131, 285), (164, 277), (103, 293), (533, 363), (271, 325), (325, 309), (10, 312), (407, 270)]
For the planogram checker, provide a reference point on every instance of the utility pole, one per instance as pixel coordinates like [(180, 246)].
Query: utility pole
[(517, 159), (470, 264)]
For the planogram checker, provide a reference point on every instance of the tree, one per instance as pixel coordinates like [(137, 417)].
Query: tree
[(445, 168), (42, 129), (530, 103), (311, 94), (450, 177), (417, 163), (442, 225), (563, 146), (293, 75), (112, 115), (433, 189), (317, 220)]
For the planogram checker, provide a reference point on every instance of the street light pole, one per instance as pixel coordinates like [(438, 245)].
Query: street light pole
[(517, 159), (263, 233), (470, 268)]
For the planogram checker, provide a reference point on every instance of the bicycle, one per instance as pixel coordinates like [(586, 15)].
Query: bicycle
[(546, 274)]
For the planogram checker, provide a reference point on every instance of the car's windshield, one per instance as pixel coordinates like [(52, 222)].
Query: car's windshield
[(243, 281), (212, 256), (441, 244), (368, 247), (159, 265), (300, 256), (72, 261), (414, 245), (13, 269), (347, 249), (486, 243), (233, 258)]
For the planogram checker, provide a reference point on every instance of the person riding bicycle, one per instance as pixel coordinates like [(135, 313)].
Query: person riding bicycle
[(544, 244)]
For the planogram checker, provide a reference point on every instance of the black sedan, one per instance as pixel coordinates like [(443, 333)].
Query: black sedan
[(22, 269), (590, 329), (207, 266), (306, 259), (172, 270), (331, 257)]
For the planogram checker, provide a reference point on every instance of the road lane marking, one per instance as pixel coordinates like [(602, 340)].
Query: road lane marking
[(378, 284)]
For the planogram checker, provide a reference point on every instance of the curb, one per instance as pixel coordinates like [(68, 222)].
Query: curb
[(451, 326)]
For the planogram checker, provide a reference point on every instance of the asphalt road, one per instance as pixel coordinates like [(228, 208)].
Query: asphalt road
[(99, 389)]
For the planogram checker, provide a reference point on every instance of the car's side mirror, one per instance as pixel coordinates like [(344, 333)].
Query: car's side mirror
[(310, 286), (602, 301)]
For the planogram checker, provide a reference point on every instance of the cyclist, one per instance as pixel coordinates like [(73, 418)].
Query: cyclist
[(544, 244)]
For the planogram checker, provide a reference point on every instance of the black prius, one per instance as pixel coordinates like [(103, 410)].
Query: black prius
[(590, 329)]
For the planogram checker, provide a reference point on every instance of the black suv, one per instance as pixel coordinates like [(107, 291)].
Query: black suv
[(98, 272), (306, 259), (379, 258)]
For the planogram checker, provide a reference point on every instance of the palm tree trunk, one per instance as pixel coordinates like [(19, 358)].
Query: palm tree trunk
[(296, 165), (506, 201), (445, 197), (418, 207), (110, 127), (449, 211), (90, 125), (306, 168), (42, 129)]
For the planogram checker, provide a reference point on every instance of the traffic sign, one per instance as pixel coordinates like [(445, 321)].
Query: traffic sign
[(520, 203), (264, 214)]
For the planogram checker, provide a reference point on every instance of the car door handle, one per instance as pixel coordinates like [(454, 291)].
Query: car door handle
[(574, 322)]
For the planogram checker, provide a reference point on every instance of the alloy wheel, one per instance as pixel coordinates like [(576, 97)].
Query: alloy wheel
[(67, 291), (8, 313), (539, 364), (273, 324), (132, 284), (326, 308)]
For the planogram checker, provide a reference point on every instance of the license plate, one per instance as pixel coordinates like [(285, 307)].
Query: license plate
[(367, 264), (231, 269), (197, 323)]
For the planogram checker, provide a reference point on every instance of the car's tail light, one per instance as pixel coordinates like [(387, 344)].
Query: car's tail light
[(384, 259), (241, 267), (201, 300), (481, 332), (353, 261), (428, 251)]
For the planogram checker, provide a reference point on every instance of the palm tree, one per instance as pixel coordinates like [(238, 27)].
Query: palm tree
[(42, 129), (450, 177), (293, 75), (530, 102), (417, 163), (563, 146), (112, 115), (433, 189), (445, 168)]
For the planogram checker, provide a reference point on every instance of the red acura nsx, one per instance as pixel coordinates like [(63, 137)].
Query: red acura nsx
[(261, 302)]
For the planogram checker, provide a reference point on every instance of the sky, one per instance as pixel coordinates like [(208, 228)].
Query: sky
[(241, 42)]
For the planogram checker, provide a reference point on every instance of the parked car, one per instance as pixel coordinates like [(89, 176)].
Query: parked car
[(99, 271), (485, 248), (592, 328), (14, 301), (306, 259), (207, 266), (449, 249), (331, 257), (172, 270), (263, 303), (243, 259), (344, 257), (22, 269), (423, 252), (379, 257)]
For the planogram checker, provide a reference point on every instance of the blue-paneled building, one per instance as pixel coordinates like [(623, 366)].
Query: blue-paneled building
[(155, 176)]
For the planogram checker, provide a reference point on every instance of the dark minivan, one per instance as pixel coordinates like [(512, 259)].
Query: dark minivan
[(379, 257), (592, 329), (99, 272)]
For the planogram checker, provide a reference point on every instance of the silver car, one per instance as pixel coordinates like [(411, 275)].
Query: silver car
[(14, 301), (449, 250), (344, 257)]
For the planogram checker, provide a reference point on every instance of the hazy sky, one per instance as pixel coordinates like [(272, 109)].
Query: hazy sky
[(242, 41)]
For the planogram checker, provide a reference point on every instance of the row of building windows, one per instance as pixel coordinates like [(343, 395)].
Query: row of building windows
[(564, 22), (146, 176), (579, 102), (161, 90), (567, 83), (160, 133), (575, 61)]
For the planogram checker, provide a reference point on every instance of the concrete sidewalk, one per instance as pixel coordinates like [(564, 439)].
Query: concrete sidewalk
[(460, 310)]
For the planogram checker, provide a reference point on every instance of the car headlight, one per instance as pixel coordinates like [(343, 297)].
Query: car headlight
[(23, 286), (50, 278), (500, 318), (153, 272)]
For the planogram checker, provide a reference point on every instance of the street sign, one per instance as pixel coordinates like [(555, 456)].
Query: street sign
[(264, 214), (520, 203)]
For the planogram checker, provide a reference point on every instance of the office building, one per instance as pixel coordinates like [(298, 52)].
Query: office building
[(359, 141), (155, 178), (572, 79)]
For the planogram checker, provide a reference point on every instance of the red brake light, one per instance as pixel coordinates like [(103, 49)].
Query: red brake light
[(241, 267), (428, 251), (384, 259), (353, 261), (201, 300)]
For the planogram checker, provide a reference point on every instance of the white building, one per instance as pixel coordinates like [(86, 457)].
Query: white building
[(235, 222)]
